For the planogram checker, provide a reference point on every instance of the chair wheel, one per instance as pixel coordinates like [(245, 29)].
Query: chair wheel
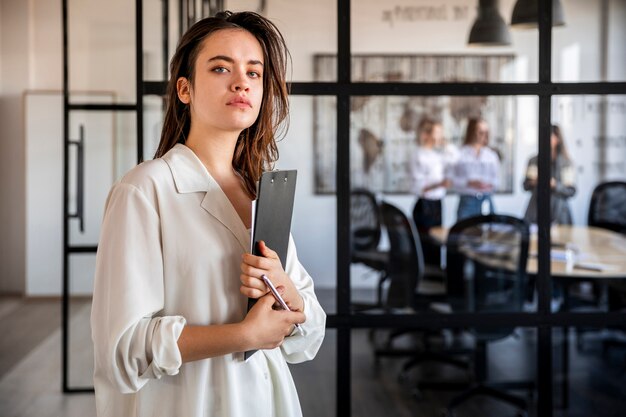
[(448, 413), (403, 377), (417, 394)]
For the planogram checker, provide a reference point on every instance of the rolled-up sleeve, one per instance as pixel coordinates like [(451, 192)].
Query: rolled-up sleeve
[(303, 347), (132, 343)]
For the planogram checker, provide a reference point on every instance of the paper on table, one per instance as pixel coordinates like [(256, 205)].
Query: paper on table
[(595, 266)]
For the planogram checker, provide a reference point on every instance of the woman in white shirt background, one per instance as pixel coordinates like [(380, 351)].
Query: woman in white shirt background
[(429, 167), (476, 173), (173, 275)]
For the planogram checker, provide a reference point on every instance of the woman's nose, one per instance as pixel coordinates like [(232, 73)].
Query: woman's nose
[(240, 82)]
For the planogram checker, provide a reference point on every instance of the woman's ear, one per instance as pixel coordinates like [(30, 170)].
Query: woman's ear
[(183, 89)]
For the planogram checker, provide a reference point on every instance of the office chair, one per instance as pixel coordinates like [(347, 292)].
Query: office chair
[(406, 268), (486, 268), (365, 230), (410, 287), (607, 210)]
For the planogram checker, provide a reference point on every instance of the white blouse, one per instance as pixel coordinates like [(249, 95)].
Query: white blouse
[(483, 166), (429, 167), (169, 254)]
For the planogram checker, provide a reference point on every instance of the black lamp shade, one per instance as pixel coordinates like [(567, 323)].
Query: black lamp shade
[(489, 29), (525, 14)]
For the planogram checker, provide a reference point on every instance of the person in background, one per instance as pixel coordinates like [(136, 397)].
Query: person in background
[(173, 274), (562, 182), (476, 173), (428, 172)]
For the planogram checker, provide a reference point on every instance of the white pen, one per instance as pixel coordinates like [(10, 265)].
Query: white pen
[(280, 300)]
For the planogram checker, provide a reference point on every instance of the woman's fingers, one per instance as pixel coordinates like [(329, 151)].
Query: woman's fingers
[(266, 251)]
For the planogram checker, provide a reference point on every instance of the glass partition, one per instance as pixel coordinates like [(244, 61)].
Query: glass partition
[(425, 371), (588, 47), (429, 41), (101, 48)]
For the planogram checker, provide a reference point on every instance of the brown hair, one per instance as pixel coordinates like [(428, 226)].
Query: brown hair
[(471, 133), (560, 148), (256, 148), (427, 124)]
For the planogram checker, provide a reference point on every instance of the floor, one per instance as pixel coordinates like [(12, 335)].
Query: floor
[(30, 371)]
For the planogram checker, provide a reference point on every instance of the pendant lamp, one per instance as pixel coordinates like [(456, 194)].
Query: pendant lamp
[(525, 14), (489, 29)]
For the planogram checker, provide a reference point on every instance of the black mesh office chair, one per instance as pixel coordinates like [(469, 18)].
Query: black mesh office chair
[(486, 260), (410, 288), (365, 229), (607, 210), (406, 270)]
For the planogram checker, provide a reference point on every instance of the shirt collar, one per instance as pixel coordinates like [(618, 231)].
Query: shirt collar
[(189, 174)]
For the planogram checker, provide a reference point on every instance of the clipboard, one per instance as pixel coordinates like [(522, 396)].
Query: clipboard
[(271, 217)]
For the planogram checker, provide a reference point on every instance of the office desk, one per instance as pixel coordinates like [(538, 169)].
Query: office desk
[(594, 246), (601, 247)]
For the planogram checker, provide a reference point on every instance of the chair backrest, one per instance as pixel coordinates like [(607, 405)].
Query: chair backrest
[(365, 222), (486, 259), (607, 208), (406, 261)]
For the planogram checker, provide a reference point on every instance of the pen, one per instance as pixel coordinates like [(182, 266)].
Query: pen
[(280, 300)]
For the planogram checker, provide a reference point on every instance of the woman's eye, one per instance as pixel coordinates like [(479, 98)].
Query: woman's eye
[(254, 74), (219, 69)]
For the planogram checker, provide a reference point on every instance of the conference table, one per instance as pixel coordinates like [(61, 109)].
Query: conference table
[(598, 253), (577, 253)]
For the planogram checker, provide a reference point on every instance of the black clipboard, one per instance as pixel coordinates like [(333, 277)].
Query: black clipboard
[(271, 216)]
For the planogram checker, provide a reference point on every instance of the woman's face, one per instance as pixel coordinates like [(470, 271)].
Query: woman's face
[(482, 133), (227, 89), (437, 135), (432, 138), (554, 143)]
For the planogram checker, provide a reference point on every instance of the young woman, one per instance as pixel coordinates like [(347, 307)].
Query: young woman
[(173, 274), (428, 171), (562, 182), (476, 173)]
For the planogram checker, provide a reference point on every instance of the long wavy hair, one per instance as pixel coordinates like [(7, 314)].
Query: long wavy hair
[(256, 149)]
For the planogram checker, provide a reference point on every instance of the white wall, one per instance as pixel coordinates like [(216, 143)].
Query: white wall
[(14, 46), (102, 42)]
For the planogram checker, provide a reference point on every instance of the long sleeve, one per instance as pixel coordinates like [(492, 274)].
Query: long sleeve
[(565, 180), (132, 344), (299, 348), (418, 175), (428, 173), (493, 170), (530, 178), (482, 166)]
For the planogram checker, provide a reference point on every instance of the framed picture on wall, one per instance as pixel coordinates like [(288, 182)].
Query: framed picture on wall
[(383, 128)]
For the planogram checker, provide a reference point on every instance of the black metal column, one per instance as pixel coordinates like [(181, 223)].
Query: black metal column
[(544, 344), (344, 391)]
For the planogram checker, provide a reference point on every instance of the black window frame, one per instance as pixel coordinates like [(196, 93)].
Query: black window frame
[(344, 320)]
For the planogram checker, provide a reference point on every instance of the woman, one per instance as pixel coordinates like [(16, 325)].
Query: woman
[(476, 173), (562, 182), (429, 166), (169, 320)]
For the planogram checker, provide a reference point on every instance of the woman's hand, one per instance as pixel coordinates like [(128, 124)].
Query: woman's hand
[(265, 327), (252, 286)]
